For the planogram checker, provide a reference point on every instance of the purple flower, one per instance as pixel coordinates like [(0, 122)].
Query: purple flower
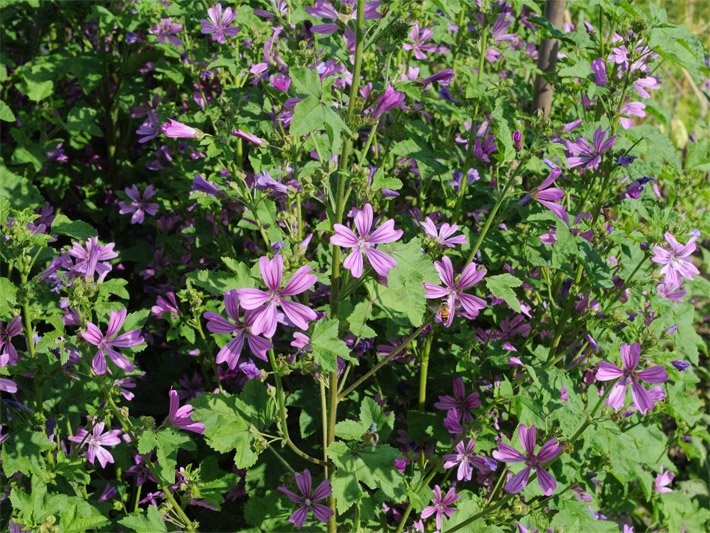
[(140, 205), (163, 306), (150, 129), (549, 196), (308, 498), (111, 339), (165, 29), (631, 109), (518, 140), (249, 137), (219, 23), (676, 262), (681, 365), (548, 451), (366, 242), (179, 417), (453, 290), (462, 403), (9, 386), (580, 152), (442, 506), (630, 355), (389, 100), (231, 351), (8, 353), (93, 258), (419, 39), (266, 302), (465, 460), (443, 236), (95, 440), (200, 184), (599, 70), (643, 85), (323, 10), (663, 479), (177, 130), (443, 77)]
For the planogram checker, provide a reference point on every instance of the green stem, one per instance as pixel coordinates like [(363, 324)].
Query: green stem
[(282, 414), (490, 219), (382, 363), (424, 371), (128, 428), (409, 508)]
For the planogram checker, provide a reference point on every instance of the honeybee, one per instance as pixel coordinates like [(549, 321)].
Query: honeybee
[(444, 310)]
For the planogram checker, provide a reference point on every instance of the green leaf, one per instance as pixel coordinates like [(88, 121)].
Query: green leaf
[(372, 418), (501, 286), (6, 113), (140, 521), (167, 442), (357, 320), (18, 190), (77, 229), (8, 298), (306, 81), (23, 451), (327, 346), (308, 115), (83, 121), (580, 69), (224, 427), (403, 297)]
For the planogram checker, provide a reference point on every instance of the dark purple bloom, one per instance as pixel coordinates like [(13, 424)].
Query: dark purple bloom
[(139, 205), (389, 100), (681, 365), (93, 259), (462, 403), (466, 461), (549, 196), (599, 70), (165, 30), (581, 153), (150, 129), (179, 417), (548, 451), (308, 499), (8, 353), (419, 39)]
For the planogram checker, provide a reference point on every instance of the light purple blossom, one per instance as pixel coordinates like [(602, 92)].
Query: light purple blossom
[(308, 499), (676, 260), (139, 205), (239, 328), (466, 461), (266, 302), (95, 442), (179, 417), (165, 30), (165, 305), (8, 353), (177, 130), (444, 236), (200, 184), (9, 386), (643, 85), (533, 461), (631, 109), (106, 343), (581, 153), (663, 479), (453, 289), (365, 243), (219, 23), (92, 259), (442, 506), (630, 355)]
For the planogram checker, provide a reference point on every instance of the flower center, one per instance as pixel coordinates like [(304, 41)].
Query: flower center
[(308, 502)]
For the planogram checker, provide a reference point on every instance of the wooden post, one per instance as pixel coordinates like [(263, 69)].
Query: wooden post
[(547, 57)]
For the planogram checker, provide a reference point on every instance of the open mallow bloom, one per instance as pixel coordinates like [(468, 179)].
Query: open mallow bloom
[(111, 340), (452, 292), (308, 499)]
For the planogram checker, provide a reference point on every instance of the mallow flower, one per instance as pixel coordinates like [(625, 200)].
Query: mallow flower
[(8, 353), (139, 204), (444, 235), (111, 340), (533, 461), (581, 153), (365, 243), (452, 291), (549, 196), (465, 460), (219, 23), (308, 499), (92, 259), (239, 328), (95, 442), (265, 303), (630, 354), (676, 260), (180, 417), (441, 505)]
